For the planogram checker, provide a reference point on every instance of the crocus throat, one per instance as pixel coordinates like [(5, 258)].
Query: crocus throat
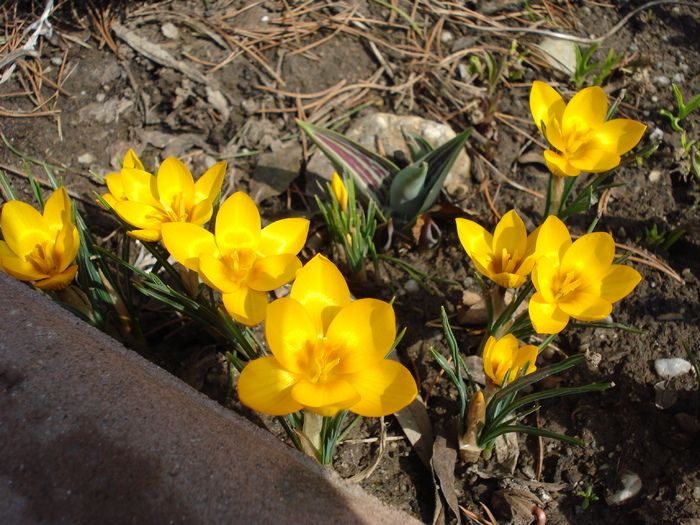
[(323, 360), (41, 258), (509, 263), (239, 263), (177, 209), (579, 135), (569, 285)]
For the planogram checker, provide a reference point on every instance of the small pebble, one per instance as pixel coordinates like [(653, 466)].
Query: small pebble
[(170, 31), (675, 11), (696, 493), (655, 176), (631, 486), (265, 19), (664, 397), (657, 135), (661, 80), (678, 78), (100, 97), (654, 98), (57, 61), (411, 286), (671, 367), (633, 48), (446, 37), (86, 158)]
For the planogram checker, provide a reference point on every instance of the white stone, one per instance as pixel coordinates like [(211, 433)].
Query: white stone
[(631, 485), (411, 286), (170, 31), (671, 367), (446, 37), (654, 176), (559, 54), (86, 158)]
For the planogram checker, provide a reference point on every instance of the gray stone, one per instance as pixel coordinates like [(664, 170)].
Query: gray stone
[(274, 173), (90, 432)]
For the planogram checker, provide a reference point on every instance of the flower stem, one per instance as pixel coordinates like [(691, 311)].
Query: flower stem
[(313, 423), (557, 192)]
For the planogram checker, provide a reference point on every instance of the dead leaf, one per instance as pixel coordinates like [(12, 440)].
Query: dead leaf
[(416, 425)]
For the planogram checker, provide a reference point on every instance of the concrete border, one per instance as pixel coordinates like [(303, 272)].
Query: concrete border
[(90, 432)]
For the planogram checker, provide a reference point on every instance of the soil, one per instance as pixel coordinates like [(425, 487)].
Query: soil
[(90, 95)]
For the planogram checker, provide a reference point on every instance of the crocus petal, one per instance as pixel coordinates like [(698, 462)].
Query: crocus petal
[(215, 273), (619, 135), (5, 250), (526, 354), (58, 281), (545, 275), (508, 280), (545, 104), (553, 240), (140, 186), (115, 186), (201, 213), (145, 235), (510, 235), (477, 242), (186, 242), (110, 200), (594, 160), (57, 209), (291, 334), (175, 185), (20, 269), (321, 289), (384, 388), (559, 164), (364, 331), (586, 110), (208, 185), (585, 306), (237, 224), (589, 256), (246, 306), (66, 247), (140, 215), (23, 227), (339, 191), (326, 399), (272, 272), (283, 236), (546, 317), (618, 282), (266, 386), (131, 160)]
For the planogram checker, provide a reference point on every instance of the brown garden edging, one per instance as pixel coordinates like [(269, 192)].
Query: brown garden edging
[(91, 432)]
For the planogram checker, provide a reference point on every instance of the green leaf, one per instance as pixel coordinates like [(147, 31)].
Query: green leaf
[(371, 172), (440, 162), (418, 147), (406, 192)]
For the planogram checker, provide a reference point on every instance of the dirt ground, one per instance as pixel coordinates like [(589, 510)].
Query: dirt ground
[(206, 80)]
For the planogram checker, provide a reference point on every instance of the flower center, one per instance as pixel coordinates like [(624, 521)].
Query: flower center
[(324, 360), (239, 263), (41, 258), (177, 210), (509, 262), (579, 135), (568, 286)]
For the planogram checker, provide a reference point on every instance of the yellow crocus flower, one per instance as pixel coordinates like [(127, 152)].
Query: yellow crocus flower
[(581, 137), (506, 354), (40, 247), (506, 257), (575, 279), (114, 180), (147, 202), (328, 352), (340, 191), (240, 259)]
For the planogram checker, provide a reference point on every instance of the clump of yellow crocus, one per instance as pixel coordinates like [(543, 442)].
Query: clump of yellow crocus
[(147, 202), (501, 355), (40, 247), (507, 256), (328, 352), (575, 279), (581, 137), (240, 259)]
